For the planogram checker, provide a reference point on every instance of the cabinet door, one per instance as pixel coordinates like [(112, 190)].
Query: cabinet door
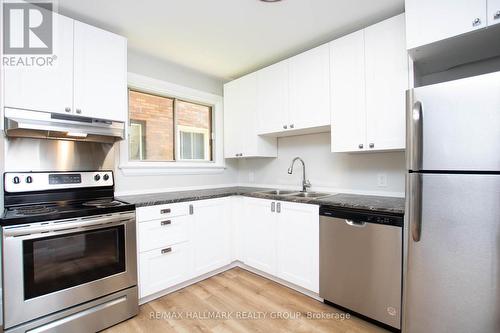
[(100, 86), (310, 88), (260, 235), (428, 21), (47, 88), (211, 235), (272, 98), (162, 268), (240, 106), (386, 75), (298, 244), (347, 75), (493, 12)]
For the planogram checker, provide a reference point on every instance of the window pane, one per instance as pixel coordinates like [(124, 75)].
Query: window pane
[(197, 120), (198, 146), (151, 127), (186, 146)]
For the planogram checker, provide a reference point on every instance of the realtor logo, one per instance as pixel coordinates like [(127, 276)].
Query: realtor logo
[(27, 28)]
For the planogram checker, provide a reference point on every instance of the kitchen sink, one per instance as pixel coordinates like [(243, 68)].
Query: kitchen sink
[(310, 194), (279, 192)]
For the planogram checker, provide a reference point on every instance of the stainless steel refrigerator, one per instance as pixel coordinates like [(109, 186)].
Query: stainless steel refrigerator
[(452, 268)]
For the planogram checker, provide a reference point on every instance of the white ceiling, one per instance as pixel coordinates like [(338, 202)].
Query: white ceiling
[(228, 38)]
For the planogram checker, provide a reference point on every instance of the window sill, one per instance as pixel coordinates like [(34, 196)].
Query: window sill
[(159, 168)]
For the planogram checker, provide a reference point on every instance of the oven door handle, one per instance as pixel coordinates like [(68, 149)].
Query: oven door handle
[(61, 226)]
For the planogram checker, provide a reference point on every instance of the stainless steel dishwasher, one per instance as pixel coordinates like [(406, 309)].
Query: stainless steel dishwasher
[(361, 263)]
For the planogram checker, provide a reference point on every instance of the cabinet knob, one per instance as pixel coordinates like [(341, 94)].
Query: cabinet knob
[(285, 126), (360, 146), (292, 126), (372, 145), (497, 15), (79, 111), (476, 22), (67, 109)]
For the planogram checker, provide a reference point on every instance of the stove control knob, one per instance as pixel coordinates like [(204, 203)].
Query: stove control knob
[(16, 180), (29, 180), (97, 177), (105, 177)]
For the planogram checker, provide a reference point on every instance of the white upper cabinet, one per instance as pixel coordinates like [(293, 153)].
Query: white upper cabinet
[(100, 87), (310, 89), (240, 121), (429, 21), (294, 94), (272, 98), (386, 73), (369, 77), (348, 92), (88, 77), (493, 12), (47, 88)]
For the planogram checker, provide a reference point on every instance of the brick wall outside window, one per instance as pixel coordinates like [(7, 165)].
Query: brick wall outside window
[(156, 113)]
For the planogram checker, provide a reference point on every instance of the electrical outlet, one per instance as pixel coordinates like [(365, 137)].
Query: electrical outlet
[(251, 177), (382, 180)]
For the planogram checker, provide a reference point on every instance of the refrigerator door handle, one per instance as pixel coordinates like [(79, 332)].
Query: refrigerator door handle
[(414, 132), (415, 213)]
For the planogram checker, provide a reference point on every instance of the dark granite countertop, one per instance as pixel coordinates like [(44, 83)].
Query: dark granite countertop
[(363, 202)]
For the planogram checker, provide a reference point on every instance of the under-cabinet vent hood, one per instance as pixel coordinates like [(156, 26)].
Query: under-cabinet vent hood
[(44, 125)]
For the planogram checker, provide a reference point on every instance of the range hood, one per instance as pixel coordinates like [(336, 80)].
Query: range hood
[(44, 125)]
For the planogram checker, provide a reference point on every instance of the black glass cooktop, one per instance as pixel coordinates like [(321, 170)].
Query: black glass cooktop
[(31, 213)]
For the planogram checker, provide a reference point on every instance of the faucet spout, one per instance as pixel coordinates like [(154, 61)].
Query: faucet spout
[(305, 183)]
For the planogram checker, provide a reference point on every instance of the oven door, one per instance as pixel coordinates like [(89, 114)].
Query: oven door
[(51, 266)]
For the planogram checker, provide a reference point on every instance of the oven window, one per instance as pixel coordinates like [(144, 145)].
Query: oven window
[(64, 261)]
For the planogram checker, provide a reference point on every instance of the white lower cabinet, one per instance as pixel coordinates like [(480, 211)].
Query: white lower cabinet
[(211, 235), (259, 230), (282, 239), (298, 244), (277, 238), (162, 268), (181, 242)]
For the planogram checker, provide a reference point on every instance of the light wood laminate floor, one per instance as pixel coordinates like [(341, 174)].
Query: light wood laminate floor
[(250, 303)]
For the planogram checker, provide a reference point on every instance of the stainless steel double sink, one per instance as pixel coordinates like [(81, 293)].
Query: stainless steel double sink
[(284, 193)]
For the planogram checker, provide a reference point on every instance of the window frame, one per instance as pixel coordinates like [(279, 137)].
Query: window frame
[(149, 85)]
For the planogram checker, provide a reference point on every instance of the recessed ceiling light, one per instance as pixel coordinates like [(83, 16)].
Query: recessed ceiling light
[(270, 0)]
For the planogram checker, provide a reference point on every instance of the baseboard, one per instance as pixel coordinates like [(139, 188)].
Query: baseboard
[(232, 265)]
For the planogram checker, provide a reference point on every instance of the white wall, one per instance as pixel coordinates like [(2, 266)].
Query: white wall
[(162, 70), (338, 172)]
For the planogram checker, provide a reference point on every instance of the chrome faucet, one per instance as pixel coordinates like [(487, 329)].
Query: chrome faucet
[(305, 183)]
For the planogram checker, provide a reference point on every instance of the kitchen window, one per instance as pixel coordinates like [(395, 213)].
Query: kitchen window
[(153, 121), (172, 129)]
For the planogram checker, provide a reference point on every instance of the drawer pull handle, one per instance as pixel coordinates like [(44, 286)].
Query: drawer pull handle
[(167, 250), (165, 211), (167, 222)]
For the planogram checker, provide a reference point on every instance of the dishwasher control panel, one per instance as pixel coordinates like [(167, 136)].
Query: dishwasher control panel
[(360, 216)]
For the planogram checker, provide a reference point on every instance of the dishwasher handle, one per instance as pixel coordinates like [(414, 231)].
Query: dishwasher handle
[(355, 223)]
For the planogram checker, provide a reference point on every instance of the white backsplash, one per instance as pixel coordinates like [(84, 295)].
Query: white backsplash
[(339, 172)]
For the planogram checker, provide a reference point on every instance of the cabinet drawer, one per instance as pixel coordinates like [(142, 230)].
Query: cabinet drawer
[(164, 232), (162, 211), (163, 268)]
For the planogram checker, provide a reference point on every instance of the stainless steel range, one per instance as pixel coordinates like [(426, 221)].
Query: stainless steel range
[(68, 253)]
